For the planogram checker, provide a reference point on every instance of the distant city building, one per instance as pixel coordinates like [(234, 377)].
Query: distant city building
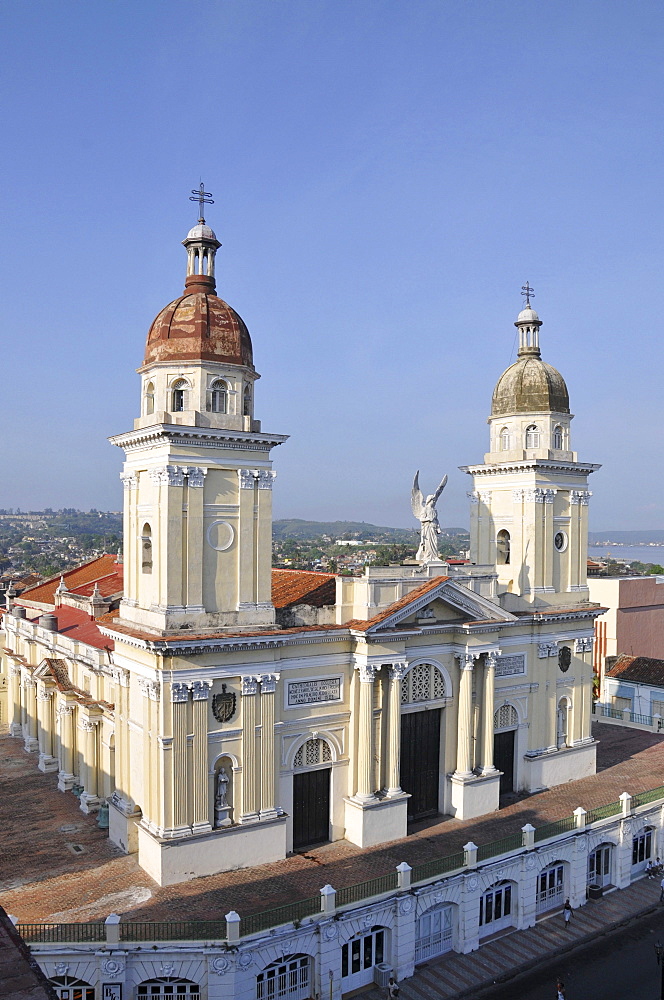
[(633, 622)]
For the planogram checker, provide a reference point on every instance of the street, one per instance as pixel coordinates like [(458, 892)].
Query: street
[(620, 966)]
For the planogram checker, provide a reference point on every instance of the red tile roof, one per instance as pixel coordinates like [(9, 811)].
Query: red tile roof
[(642, 669), (97, 569), (109, 586), (77, 624), (297, 586)]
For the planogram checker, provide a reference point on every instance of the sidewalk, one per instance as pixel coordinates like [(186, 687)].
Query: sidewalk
[(456, 975)]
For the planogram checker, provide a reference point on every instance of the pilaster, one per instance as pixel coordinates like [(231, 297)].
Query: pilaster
[(397, 672), (180, 710), (249, 757), (201, 803), (268, 774), (66, 755), (30, 727)]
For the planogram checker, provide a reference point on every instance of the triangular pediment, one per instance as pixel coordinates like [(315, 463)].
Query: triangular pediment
[(448, 601)]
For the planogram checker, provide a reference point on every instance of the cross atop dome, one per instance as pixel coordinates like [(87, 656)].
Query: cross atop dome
[(203, 197), (526, 290)]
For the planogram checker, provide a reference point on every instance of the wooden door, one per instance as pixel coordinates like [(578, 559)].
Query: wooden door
[(311, 807), (420, 761)]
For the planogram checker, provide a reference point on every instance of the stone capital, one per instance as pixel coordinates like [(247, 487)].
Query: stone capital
[(129, 480), (249, 686), (467, 660), (492, 658), (368, 672), (195, 476), (168, 475), (580, 497), (200, 690), (398, 670), (269, 683), (179, 692), (149, 688), (88, 725)]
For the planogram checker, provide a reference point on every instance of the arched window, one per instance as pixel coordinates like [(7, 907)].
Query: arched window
[(506, 717), (146, 549), (503, 547), (562, 723), (599, 865), (505, 439), (558, 438), (532, 437), (179, 395), (423, 683), (149, 398), (246, 401), (168, 986), (286, 979), (71, 988), (218, 397), (313, 752)]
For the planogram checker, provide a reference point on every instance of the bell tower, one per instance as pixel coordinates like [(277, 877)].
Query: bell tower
[(198, 474), (529, 503)]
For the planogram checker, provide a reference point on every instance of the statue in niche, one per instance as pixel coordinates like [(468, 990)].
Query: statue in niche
[(425, 512), (222, 808)]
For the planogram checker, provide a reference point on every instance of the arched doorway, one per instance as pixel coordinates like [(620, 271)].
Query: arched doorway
[(497, 908), (434, 932), (311, 793), (358, 957), (288, 978), (505, 724), (599, 866), (422, 686), (71, 988), (551, 888)]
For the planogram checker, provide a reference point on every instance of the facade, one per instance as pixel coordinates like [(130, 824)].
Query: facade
[(633, 691), (343, 947), (633, 622), (222, 731)]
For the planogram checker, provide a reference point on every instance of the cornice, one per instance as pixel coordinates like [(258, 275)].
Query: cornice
[(209, 437), (534, 465)]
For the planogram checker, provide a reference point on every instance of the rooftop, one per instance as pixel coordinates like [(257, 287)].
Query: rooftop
[(42, 877), (642, 669)]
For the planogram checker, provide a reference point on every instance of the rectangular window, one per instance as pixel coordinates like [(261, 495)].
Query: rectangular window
[(344, 961), (355, 956)]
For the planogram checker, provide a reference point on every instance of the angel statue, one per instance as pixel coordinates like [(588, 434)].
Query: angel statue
[(425, 512)]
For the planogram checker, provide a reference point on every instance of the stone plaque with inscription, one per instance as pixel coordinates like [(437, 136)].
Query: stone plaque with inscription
[(313, 692)]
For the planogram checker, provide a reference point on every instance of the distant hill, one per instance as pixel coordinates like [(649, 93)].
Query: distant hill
[(297, 528), (626, 537)]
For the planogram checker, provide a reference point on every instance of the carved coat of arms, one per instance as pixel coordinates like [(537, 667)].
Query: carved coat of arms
[(223, 705), (564, 658)]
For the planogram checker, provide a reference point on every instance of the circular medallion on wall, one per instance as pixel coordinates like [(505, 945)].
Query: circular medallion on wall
[(564, 658), (220, 535), (560, 541)]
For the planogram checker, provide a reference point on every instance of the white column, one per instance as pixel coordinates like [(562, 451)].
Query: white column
[(30, 731), (66, 773), (15, 728), (365, 793), (397, 671), (47, 762), (465, 724), (268, 774), (249, 760), (89, 796), (487, 729)]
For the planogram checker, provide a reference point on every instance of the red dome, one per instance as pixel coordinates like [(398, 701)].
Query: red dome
[(199, 326)]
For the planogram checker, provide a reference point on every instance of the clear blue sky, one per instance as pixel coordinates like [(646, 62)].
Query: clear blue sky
[(387, 174)]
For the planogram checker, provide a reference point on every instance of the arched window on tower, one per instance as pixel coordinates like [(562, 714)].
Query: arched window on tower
[(179, 392), (505, 439), (532, 437), (218, 397), (503, 547), (146, 549), (149, 398), (558, 438), (246, 401)]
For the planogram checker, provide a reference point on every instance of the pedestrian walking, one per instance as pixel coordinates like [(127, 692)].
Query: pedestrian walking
[(560, 990), (567, 913), (661, 891), (392, 989)]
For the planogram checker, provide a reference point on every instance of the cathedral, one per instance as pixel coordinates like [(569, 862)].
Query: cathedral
[(225, 714)]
